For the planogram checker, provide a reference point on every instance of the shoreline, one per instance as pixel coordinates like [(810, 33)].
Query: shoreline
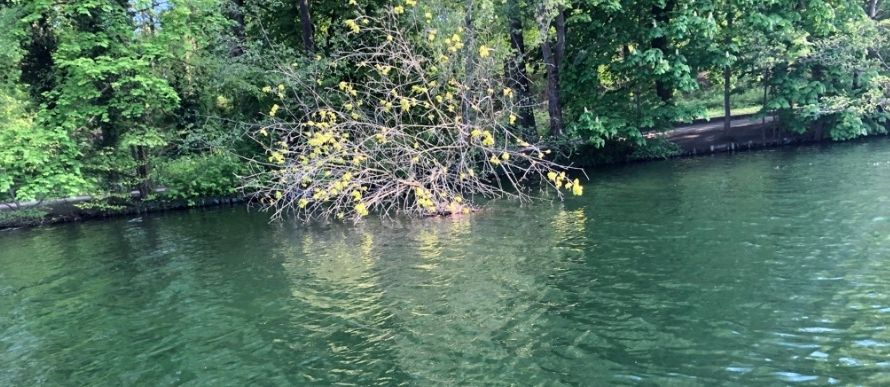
[(746, 133), (697, 139), (77, 209)]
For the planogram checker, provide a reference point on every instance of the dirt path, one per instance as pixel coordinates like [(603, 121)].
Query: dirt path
[(717, 124), (744, 133)]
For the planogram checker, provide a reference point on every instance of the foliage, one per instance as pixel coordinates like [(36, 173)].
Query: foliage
[(856, 99), (34, 162), (596, 131), (116, 80), (22, 216), (214, 174), (109, 96), (655, 148), (771, 46), (707, 101)]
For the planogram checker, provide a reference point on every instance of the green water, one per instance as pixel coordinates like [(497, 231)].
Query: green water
[(759, 268)]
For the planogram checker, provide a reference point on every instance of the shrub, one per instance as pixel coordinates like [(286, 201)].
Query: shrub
[(214, 174), (655, 148)]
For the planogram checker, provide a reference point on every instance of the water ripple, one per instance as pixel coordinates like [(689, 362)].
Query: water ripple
[(694, 272)]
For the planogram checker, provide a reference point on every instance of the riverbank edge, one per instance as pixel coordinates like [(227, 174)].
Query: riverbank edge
[(747, 135), (744, 138), (77, 209)]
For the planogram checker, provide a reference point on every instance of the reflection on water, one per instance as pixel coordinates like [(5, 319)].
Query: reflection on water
[(762, 268)]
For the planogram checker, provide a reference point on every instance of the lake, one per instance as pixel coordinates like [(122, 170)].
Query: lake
[(759, 268)]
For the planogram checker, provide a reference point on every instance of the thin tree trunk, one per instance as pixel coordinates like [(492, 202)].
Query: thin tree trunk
[(238, 30), (765, 103), (552, 93), (635, 90), (143, 171), (560, 37), (140, 152), (662, 16), (552, 50), (727, 76), (872, 9), (727, 90), (638, 107), (516, 73), (465, 110), (306, 27)]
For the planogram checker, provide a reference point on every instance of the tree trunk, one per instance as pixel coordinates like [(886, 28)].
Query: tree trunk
[(553, 50), (765, 95), (872, 9), (37, 64), (764, 108), (306, 27), (143, 171), (560, 37), (517, 77), (466, 111), (238, 30), (662, 16), (727, 76), (727, 90)]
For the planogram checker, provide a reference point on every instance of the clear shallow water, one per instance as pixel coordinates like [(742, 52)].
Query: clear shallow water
[(760, 268)]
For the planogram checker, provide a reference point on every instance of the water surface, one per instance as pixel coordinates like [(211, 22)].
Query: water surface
[(759, 268)]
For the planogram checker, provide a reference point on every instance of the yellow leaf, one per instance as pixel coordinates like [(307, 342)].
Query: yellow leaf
[(361, 209), (577, 189), (551, 176), (484, 51)]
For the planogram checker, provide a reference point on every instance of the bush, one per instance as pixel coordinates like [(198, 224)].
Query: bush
[(22, 217), (655, 148), (213, 174)]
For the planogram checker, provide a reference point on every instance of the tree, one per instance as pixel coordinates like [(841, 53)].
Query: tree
[(393, 139), (661, 15), (872, 7), (517, 75), (35, 162), (306, 28), (239, 25), (727, 70), (124, 94), (849, 109), (552, 15)]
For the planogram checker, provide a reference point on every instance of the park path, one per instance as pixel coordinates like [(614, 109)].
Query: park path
[(707, 137)]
